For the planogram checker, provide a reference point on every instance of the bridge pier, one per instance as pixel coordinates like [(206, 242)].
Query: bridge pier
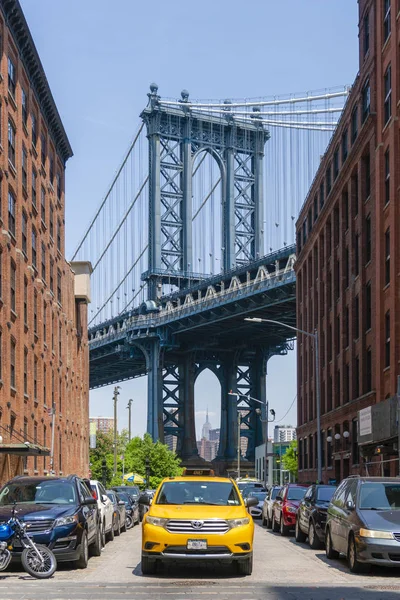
[(154, 392), (189, 445)]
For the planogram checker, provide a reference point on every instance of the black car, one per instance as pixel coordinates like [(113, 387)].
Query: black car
[(311, 514), (119, 517), (59, 512), (364, 522), (134, 492), (131, 509)]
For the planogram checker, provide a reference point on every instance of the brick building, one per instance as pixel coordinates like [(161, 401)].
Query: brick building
[(43, 304), (348, 268), (103, 424)]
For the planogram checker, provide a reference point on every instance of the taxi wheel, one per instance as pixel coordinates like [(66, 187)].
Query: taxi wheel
[(148, 565), (245, 567)]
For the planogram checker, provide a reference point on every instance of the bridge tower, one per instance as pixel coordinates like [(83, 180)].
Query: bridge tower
[(177, 133)]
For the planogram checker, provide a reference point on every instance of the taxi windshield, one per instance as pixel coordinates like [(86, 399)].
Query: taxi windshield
[(214, 493)]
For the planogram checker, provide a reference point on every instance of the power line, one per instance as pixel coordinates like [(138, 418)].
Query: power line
[(288, 410)]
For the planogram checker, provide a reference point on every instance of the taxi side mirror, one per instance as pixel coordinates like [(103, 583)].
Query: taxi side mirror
[(144, 499), (251, 501)]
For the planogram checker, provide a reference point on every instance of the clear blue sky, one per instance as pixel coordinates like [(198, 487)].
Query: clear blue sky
[(100, 58)]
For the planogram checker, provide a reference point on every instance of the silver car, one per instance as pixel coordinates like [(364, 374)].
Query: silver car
[(266, 513), (256, 511)]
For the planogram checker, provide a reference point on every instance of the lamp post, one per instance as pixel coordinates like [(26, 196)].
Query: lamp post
[(129, 417), (115, 397), (238, 446), (314, 336), (266, 421)]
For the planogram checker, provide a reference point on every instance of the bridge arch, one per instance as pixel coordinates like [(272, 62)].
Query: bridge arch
[(207, 405)]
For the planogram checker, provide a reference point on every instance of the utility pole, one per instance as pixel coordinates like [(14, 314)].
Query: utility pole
[(239, 448), (129, 412), (116, 394)]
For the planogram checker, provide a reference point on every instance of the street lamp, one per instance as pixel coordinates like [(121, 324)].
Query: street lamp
[(266, 421), (314, 336), (129, 412), (115, 398)]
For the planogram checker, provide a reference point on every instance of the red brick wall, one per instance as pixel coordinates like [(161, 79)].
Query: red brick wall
[(49, 338)]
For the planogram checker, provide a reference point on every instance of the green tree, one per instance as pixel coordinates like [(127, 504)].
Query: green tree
[(289, 459)]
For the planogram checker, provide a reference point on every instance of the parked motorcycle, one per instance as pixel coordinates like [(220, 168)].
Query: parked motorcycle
[(37, 560)]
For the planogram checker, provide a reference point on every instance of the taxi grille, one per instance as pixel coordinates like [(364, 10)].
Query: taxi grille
[(193, 526), (36, 526)]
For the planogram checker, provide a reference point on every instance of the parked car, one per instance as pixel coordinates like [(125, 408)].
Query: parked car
[(256, 511), (131, 510), (106, 510), (250, 490), (119, 512), (269, 499), (245, 483), (364, 522), (285, 507), (59, 512), (133, 491), (311, 515)]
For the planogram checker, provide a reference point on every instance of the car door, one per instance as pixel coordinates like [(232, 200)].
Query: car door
[(348, 513), (305, 510), (340, 542), (108, 507), (89, 511), (279, 503)]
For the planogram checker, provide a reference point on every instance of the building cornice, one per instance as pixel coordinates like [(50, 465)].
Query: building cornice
[(19, 29)]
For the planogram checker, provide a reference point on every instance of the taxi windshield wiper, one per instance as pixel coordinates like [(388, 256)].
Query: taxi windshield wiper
[(203, 502)]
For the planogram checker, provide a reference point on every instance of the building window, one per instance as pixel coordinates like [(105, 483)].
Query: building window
[(52, 331), (52, 275), (11, 213), (336, 163), (347, 384), (356, 255), (35, 378), (24, 233), (354, 124), (44, 322), (368, 306), (59, 298), (60, 394), (35, 315), (387, 90), (347, 325), (24, 106), (354, 441), (328, 180), (315, 207), (26, 371), (366, 101), (25, 302), (24, 168), (60, 452), (58, 181), (59, 235), (354, 193), (25, 439), (367, 175), (366, 33), (44, 385), (346, 210), (43, 204), (13, 285), (345, 148), (368, 239), (321, 195), (357, 377), (34, 130), (59, 341), (347, 267), (43, 262), (387, 176), (12, 77), (34, 185), (11, 143), (51, 221), (43, 149), (386, 20), (35, 442), (387, 339), (12, 363), (44, 444), (368, 370), (34, 255), (387, 256), (356, 317)]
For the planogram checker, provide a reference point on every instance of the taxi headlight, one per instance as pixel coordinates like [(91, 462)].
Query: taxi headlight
[(158, 521), (66, 521), (237, 522), (372, 533)]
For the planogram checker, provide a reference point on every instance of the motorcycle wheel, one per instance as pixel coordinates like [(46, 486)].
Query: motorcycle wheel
[(33, 566)]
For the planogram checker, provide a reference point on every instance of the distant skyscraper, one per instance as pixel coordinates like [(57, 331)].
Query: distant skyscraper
[(284, 433), (205, 433), (103, 424)]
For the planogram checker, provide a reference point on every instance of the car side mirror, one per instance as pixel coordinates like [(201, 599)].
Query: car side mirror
[(144, 499), (104, 498), (350, 505), (90, 501), (250, 501), (279, 498)]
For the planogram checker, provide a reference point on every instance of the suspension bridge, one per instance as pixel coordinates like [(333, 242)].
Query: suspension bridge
[(196, 232)]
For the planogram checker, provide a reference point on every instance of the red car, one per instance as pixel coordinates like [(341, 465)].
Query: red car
[(285, 507)]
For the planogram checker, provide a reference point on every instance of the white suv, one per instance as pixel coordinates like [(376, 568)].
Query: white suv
[(106, 510)]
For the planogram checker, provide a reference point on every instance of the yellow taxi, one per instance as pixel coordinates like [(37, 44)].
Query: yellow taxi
[(197, 517)]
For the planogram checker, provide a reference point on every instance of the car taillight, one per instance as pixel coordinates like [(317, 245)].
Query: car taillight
[(94, 494)]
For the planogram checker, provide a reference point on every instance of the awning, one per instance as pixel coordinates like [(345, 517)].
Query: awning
[(25, 449)]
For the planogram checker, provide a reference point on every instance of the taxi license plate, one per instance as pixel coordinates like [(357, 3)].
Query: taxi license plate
[(196, 545)]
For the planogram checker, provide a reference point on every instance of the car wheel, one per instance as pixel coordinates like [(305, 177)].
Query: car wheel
[(269, 522), (245, 567), (96, 546), (117, 531), (355, 565), (299, 535), (148, 565), (263, 520), (103, 535), (284, 529), (330, 552), (83, 559), (123, 526), (110, 534), (275, 525), (313, 539)]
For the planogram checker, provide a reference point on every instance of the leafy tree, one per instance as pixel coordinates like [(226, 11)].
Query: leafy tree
[(289, 459)]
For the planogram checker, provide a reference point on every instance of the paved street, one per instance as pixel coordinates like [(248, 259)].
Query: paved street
[(282, 570)]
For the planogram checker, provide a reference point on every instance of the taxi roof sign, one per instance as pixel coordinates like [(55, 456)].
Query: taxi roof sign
[(198, 472)]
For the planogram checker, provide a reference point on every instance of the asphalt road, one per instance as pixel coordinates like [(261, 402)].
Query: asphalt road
[(283, 570)]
